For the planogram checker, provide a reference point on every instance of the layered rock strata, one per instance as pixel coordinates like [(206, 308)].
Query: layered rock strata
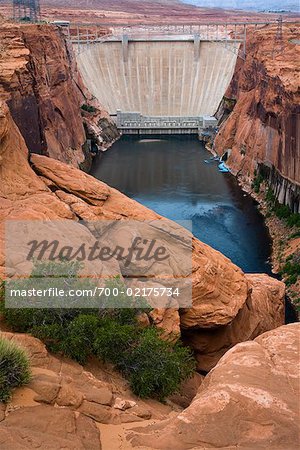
[(54, 112), (261, 133)]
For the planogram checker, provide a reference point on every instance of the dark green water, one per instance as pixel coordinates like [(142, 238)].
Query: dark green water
[(169, 175)]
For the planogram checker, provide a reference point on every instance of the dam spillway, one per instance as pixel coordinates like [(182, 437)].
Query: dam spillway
[(159, 76)]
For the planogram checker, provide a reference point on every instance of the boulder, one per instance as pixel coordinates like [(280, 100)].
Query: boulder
[(187, 391), (250, 400), (123, 404), (168, 321), (46, 388), (263, 310), (48, 428), (97, 412), (69, 396), (102, 395)]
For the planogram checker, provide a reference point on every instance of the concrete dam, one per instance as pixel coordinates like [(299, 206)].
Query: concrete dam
[(168, 76)]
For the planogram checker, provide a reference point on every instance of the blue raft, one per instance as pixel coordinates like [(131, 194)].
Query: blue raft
[(223, 168)]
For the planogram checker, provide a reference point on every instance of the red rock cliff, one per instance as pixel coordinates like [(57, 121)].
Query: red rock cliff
[(41, 84), (263, 127)]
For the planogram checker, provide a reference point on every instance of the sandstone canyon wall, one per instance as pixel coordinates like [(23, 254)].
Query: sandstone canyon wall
[(40, 83), (262, 132)]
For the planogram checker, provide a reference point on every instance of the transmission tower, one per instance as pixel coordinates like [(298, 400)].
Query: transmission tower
[(278, 42), (27, 10)]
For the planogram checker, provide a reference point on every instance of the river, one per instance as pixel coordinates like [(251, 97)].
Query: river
[(170, 176)]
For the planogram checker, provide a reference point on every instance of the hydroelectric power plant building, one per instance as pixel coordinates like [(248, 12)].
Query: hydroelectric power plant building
[(136, 123)]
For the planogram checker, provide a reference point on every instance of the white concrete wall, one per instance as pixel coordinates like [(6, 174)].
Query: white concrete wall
[(159, 78)]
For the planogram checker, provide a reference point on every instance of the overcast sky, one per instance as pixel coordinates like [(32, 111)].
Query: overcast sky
[(287, 5)]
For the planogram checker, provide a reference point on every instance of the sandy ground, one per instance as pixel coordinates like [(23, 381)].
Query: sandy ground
[(113, 437)]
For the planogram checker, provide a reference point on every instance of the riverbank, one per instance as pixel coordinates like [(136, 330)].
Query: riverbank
[(285, 240)]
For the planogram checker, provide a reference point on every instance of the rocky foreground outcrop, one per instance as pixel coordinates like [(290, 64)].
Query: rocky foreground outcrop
[(64, 404), (44, 91), (228, 306), (261, 132), (250, 400)]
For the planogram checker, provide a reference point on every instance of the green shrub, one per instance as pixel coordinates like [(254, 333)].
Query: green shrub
[(156, 368), (114, 341), (14, 368), (282, 211), (123, 307), (257, 182), (88, 108), (270, 196), (51, 334), (295, 235), (80, 336), (291, 269), (292, 279), (293, 220), (25, 319)]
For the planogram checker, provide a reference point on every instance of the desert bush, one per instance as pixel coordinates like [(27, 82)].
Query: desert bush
[(270, 196), (295, 235), (80, 336), (293, 220), (88, 108), (114, 341), (257, 182), (25, 319), (51, 334), (14, 368), (156, 368), (291, 269), (282, 211)]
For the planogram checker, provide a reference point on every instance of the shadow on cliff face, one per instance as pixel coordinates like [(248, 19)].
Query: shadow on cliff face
[(45, 94)]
